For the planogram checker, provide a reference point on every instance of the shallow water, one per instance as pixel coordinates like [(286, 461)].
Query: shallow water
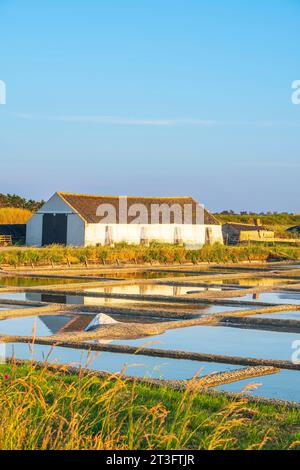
[(282, 386), (250, 282), (111, 302), (148, 274), (17, 281), (51, 324), (12, 307), (223, 340), (207, 339), (291, 315), (150, 289), (287, 267), (272, 297), (45, 325), (155, 367)]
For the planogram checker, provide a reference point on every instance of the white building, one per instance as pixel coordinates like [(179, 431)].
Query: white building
[(83, 220)]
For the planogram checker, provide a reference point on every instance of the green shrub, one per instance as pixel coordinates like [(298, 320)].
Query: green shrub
[(154, 253)]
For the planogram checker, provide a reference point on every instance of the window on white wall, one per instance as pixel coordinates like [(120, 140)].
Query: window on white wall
[(178, 236), (109, 240), (144, 240), (208, 236)]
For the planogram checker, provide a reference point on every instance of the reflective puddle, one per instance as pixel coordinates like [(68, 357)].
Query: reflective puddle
[(141, 366), (34, 281), (291, 315), (282, 386), (249, 282), (151, 289), (228, 341), (272, 297), (12, 307), (112, 302), (53, 324), (45, 325), (148, 274)]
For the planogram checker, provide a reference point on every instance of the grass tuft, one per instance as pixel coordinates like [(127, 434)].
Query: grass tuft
[(46, 408)]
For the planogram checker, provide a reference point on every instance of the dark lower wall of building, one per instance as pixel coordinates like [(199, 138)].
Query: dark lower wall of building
[(16, 231)]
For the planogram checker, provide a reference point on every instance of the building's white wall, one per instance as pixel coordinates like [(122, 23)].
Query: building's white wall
[(34, 230), (83, 234), (217, 235), (94, 234), (75, 230), (190, 234)]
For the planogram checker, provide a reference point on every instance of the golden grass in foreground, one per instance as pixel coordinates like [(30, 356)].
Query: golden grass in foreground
[(46, 409), (13, 215)]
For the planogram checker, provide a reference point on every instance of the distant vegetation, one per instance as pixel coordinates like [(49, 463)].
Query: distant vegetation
[(269, 219), (13, 200), (156, 253), (278, 222), (52, 410), (12, 215), (15, 209)]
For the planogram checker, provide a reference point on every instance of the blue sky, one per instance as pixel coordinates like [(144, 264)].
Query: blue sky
[(152, 97)]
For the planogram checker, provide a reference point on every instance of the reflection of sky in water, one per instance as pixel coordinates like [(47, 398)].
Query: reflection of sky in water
[(272, 297), (282, 386), (223, 340), (114, 362), (12, 307), (23, 326), (291, 315), (106, 301), (287, 267)]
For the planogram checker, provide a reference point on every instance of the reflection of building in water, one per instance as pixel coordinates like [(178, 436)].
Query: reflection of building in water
[(66, 323), (54, 298), (176, 290), (102, 341), (55, 323), (108, 290), (143, 289), (75, 323)]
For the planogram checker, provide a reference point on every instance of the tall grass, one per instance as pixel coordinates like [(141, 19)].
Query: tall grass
[(49, 409), (13, 215), (156, 253)]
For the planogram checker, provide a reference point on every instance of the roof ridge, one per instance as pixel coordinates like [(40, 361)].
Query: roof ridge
[(62, 193)]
